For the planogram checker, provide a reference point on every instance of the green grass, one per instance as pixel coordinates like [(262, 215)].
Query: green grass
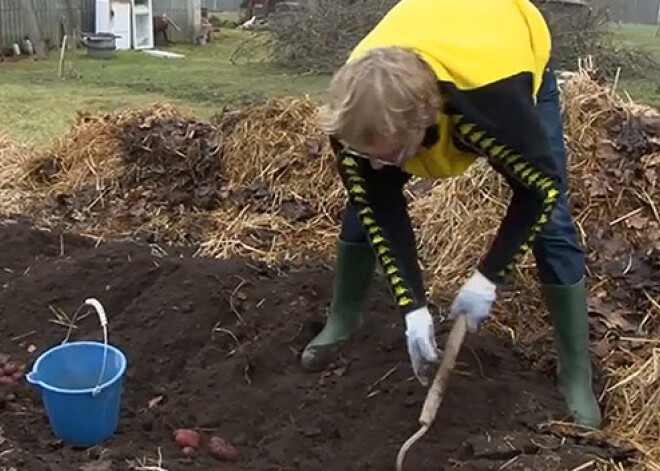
[(643, 90), (36, 106)]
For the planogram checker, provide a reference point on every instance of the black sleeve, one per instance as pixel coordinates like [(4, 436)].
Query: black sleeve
[(501, 121), (526, 214), (377, 196)]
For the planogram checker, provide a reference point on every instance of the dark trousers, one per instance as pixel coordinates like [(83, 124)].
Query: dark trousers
[(559, 257)]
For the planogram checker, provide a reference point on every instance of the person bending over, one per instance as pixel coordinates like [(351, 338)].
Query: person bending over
[(435, 86)]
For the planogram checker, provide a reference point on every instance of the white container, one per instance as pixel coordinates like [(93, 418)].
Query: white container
[(114, 17)]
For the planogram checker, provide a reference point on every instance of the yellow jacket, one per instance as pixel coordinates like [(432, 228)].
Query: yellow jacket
[(470, 44), (490, 57)]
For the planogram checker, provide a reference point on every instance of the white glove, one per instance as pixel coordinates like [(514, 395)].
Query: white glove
[(422, 348), (474, 300)]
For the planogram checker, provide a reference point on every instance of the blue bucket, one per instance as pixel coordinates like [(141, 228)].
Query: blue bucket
[(81, 387)]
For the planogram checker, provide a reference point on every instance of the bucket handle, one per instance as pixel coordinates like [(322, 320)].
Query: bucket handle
[(103, 319)]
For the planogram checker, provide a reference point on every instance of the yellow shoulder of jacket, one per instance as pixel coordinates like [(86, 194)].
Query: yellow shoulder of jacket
[(470, 43)]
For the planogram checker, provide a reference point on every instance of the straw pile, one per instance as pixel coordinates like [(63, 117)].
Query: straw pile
[(257, 181), (616, 167), (14, 193), (280, 146), (285, 198)]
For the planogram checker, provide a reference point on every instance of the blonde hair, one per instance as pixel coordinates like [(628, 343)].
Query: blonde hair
[(389, 92)]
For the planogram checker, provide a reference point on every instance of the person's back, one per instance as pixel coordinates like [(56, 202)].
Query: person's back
[(467, 42)]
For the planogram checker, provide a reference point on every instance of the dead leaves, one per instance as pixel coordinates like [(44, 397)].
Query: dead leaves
[(651, 165), (176, 160), (631, 137), (637, 222), (611, 316)]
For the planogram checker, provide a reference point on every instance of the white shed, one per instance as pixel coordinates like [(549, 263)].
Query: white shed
[(130, 20), (186, 14)]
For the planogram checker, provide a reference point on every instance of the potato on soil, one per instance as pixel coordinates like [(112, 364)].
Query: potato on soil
[(187, 438), (10, 369), (223, 451)]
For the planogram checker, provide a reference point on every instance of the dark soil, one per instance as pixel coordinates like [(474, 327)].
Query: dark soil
[(165, 311)]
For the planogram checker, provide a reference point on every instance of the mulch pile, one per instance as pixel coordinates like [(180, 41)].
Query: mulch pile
[(160, 174), (134, 172), (616, 195), (171, 163), (259, 182)]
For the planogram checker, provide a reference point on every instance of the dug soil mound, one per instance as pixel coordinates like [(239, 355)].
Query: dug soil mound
[(214, 345)]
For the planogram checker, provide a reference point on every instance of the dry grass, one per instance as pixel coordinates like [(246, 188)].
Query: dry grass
[(632, 404), (280, 144), (279, 147), (14, 193), (454, 221), (267, 237)]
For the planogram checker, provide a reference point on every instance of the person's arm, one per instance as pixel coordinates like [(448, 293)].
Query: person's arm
[(535, 194), (377, 196), (509, 132), (501, 122)]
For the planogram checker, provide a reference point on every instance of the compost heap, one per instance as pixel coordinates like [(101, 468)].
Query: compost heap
[(259, 182)]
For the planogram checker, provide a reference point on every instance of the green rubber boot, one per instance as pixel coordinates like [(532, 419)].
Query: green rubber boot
[(568, 308), (354, 270)]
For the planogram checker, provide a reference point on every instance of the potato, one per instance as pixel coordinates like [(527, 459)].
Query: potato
[(10, 369), (188, 451), (10, 397), (17, 376), (187, 438), (223, 451)]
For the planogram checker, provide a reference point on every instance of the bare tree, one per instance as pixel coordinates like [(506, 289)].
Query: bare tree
[(320, 37)]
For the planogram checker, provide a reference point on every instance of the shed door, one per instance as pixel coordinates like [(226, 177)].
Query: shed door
[(121, 24)]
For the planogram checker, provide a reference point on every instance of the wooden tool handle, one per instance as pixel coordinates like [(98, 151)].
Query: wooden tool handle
[(437, 389)]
